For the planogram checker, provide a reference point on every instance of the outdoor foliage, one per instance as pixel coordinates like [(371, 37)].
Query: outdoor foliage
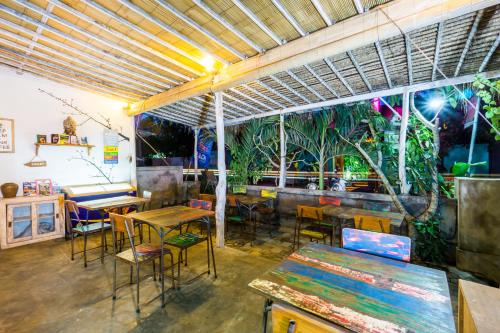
[(429, 245), (488, 92), (318, 134)]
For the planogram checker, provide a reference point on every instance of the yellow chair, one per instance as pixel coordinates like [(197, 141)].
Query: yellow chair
[(312, 218), (372, 223)]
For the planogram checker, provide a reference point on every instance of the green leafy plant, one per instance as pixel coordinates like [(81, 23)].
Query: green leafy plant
[(429, 245), (488, 92), (356, 165)]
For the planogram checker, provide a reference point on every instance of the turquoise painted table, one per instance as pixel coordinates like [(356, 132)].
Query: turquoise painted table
[(361, 292)]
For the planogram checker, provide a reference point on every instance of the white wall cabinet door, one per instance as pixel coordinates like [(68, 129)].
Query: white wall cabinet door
[(20, 222)]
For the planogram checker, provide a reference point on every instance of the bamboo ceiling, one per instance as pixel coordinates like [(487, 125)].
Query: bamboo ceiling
[(139, 48)]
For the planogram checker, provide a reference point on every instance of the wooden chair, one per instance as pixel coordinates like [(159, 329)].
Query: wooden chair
[(136, 255), (312, 219), (84, 228), (380, 244), (266, 212), (184, 240), (372, 223), (211, 181), (209, 197), (235, 214), (286, 319)]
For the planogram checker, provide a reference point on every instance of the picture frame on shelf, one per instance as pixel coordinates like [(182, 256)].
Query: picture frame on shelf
[(41, 138), (64, 139), (73, 139), (7, 138), (54, 139), (29, 189), (44, 187)]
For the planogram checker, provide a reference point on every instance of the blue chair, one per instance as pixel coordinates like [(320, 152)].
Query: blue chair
[(377, 243)]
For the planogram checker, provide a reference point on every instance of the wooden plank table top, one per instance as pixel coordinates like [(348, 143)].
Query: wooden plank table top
[(113, 202), (171, 216), (344, 212), (361, 292)]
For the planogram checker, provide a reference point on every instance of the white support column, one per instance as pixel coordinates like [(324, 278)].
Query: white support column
[(282, 182), (195, 153), (405, 189), (221, 166), (474, 132)]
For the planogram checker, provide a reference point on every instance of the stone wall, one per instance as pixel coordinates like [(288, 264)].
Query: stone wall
[(164, 179)]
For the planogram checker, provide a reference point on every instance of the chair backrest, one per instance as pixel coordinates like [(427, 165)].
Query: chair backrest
[(324, 200), (380, 244), (232, 200), (372, 223), (200, 204), (308, 212), (239, 189), (119, 223), (72, 214), (286, 319), (208, 197), (272, 194)]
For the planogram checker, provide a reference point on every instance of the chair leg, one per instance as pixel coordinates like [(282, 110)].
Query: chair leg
[(84, 250), (208, 255), (267, 308), (172, 268), (72, 246), (114, 278), (154, 270), (213, 256), (137, 277), (179, 269)]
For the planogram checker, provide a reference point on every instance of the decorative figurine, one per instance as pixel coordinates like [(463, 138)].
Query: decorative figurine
[(70, 126)]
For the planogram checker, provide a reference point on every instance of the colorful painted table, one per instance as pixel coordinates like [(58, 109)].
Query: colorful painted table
[(361, 292)]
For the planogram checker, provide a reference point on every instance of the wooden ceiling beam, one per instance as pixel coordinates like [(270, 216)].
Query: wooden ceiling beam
[(381, 57), (359, 70), (170, 30), (352, 33), (104, 41), (487, 58), (437, 50), (86, 45), (52, 52), (469, 41), (228, 25)]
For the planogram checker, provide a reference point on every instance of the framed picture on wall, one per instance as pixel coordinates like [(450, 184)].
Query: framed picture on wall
[(6, 135)]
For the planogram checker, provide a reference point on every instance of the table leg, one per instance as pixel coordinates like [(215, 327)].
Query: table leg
[(102, 235), (162, 268), (209, 231), (267, 308)]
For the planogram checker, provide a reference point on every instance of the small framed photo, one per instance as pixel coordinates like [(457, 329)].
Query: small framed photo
[(44, 187), (64, 139), (84, 140), (29, 189), (73, 140), (41, 138), (54, 139)]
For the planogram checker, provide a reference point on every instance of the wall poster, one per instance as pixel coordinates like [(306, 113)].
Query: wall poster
[(111, 140), (6, 135)]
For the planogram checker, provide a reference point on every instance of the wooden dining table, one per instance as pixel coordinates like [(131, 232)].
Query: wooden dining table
[(359, 291), (168, 219), (104, 205), (251, 202)]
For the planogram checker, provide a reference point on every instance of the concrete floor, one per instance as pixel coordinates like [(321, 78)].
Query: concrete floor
[(42, 290)]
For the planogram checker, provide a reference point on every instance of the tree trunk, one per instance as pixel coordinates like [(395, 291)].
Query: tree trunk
[(282, 182), (403, 184), (385, 181), (321, 170), (221, 166)]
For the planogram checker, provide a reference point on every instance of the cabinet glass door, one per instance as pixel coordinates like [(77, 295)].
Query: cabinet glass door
[(21, 222), (46, 217)]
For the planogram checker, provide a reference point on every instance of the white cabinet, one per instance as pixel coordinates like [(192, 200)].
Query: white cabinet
[(25, 220)]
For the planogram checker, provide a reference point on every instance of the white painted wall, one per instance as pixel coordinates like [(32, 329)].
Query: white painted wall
[(37, 113)]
